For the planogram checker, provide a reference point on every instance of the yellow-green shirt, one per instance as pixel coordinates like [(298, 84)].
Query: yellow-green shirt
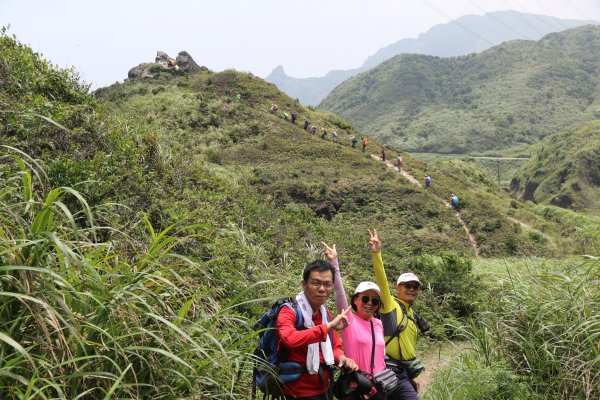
[(392, 316)]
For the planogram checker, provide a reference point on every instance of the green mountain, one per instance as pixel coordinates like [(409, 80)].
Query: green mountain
[(509, 96), (465, 35), (564, 171)]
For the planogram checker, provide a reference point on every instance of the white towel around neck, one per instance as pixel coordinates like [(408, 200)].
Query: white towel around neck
[(312, 356)]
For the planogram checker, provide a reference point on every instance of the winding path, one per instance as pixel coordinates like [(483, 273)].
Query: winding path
[(416, 182)]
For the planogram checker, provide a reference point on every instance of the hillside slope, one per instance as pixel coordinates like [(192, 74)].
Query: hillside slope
[(465, 35), (201, 120), (564, 171), (509, 96)]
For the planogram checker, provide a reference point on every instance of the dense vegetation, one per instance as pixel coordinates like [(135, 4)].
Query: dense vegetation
[(503, 99), (537, 338), (564, 171), (144, 227)]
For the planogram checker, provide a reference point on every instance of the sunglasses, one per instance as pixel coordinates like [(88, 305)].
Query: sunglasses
[(374, 300), (414, 286)]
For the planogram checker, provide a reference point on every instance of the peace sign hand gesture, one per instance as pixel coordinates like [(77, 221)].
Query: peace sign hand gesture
[(374, 243), (329, 252)]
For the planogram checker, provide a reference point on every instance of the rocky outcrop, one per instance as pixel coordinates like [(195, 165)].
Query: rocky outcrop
[(183, 64)]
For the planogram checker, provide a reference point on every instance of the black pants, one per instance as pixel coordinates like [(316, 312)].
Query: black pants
[(405, 389)]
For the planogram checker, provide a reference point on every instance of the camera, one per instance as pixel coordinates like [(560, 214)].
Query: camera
[(421, 323)]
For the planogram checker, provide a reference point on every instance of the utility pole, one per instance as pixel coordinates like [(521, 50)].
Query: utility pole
[(498, 166)]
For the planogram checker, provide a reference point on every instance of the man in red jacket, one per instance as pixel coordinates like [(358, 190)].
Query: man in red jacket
[(313, 345)]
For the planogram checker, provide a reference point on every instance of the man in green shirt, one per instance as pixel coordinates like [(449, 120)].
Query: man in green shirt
[(397, 316)]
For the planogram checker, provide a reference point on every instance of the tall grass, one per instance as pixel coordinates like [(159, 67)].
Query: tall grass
[(545, 328), (79, 319)]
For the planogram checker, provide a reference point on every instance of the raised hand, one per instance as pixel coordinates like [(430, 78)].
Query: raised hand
[(329, 252), (340, 322), (374, 243)]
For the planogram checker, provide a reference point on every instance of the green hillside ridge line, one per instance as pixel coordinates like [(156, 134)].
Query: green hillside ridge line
[(503, 99), (564, 171)]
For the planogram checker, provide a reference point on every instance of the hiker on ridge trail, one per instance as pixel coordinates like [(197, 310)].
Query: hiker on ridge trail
[(274, 108), (294, 116), (399, 323), (323, 133), (364, 143), (454, 201), (354, 141), (363, 340), (383, 149), (427, 181), (313, 129), (306, 122), (400, 162), (317, 347), (334, 134), (285, 116)]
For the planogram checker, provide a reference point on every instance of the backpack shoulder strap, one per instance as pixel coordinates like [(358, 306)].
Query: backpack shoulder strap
[(401, 327)]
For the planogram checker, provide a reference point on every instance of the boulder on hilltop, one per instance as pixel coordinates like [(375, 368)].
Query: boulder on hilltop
[(183, 63)]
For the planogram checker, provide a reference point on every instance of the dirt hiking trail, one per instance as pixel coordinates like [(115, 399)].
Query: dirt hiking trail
[(416, 182), (436, 359)]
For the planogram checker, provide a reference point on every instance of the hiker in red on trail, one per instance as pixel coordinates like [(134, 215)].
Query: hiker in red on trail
[(316, 347), (274, 108), (364, 143)]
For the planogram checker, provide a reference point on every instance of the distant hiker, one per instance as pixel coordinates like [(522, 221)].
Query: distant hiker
[(313, 129), (399, 161), (383, 149), (354, 141), (454, 201), (334, 134), (238, 95), (306, 122), (274, 108), (323, 133), (285, 116), (364, 143), (427, 181), (294, 116), (315, 347)]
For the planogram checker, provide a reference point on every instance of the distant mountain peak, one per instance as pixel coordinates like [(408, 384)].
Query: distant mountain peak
[(465, 35)]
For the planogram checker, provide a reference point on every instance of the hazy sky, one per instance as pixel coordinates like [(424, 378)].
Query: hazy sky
[(103, 39)]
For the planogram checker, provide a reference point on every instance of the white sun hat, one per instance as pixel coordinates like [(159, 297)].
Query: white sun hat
[(367, 285), (408, 277)]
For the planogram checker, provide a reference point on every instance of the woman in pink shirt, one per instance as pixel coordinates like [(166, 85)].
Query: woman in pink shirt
[(363, 338)]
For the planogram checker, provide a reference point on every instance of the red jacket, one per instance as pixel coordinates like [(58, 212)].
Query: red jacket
[(296, 343)]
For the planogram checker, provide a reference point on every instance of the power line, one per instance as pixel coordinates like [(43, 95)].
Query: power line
[(458, 23), (499, 21), (522, 17)]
